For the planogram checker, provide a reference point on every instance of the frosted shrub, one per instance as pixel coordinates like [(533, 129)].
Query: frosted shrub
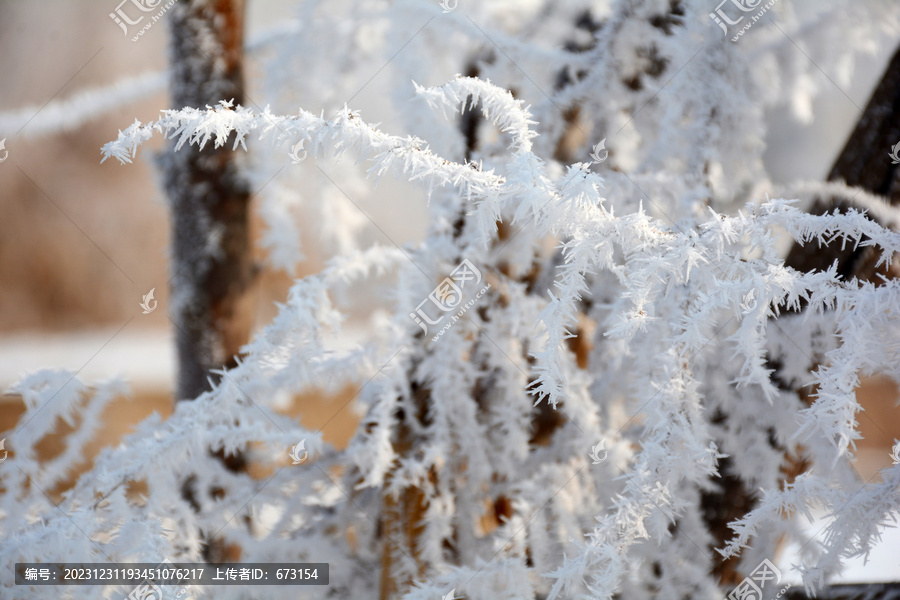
[(637, 324)]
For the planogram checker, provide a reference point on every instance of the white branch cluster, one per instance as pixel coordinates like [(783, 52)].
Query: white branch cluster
[(657, 263)]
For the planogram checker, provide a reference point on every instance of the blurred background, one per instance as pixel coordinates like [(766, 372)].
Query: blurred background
[(82, 242)]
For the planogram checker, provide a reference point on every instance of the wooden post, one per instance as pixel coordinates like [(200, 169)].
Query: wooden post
[(209, 198)]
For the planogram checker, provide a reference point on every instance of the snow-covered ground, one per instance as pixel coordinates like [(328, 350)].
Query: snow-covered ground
[(145, 358)]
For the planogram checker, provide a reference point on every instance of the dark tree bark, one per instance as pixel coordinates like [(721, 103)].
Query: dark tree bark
[(211, 261), (864, 161)]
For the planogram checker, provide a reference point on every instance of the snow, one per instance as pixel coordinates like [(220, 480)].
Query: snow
[(883, 564), (144, 358)]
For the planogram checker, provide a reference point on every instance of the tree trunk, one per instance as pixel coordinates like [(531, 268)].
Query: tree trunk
[(864, 161), (211, 262)]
